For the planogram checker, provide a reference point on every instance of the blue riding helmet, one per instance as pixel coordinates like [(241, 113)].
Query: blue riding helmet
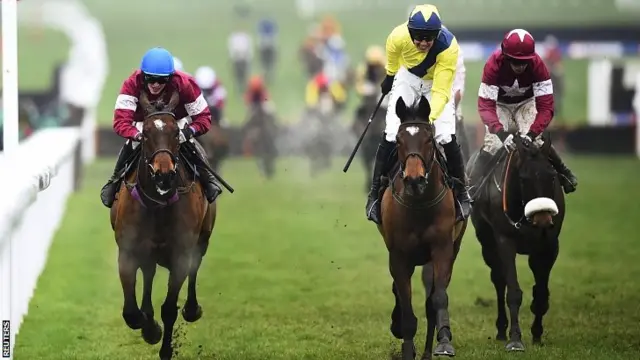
[(267, 27), (425, 18), (157, 62)]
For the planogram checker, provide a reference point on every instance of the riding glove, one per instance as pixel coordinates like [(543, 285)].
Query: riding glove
[(507, 140), (386, 85), (186, 134), (138, 137)]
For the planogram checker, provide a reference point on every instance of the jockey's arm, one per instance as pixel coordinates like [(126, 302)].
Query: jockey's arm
[(393, 51), (543, 94), (125, 109), (443, 75), (488, 97), (196, 107)]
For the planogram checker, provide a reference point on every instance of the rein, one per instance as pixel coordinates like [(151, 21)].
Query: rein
[(505, 209), (137, 190)]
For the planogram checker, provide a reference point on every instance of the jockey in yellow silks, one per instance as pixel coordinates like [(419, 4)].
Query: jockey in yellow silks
[(421, 61)]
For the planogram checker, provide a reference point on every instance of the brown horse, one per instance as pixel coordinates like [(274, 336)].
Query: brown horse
[(160, 217), (519, 209), (419, 228), (260, 132), (216, 144)]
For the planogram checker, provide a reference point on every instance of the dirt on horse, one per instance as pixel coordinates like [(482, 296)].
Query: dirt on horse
[(519, 209), (419, 228), (160, 218)]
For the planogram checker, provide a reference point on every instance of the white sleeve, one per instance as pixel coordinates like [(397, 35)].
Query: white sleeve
[(459, 80)]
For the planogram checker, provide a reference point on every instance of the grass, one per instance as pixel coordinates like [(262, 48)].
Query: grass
[(295, 272), (197, 33)]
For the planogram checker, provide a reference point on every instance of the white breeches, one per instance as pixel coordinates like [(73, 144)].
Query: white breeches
[(411, 88), (515, 118)]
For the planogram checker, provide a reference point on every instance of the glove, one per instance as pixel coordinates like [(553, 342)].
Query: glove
[(186, 134), (386, 85), (138, 137), (507, 140)]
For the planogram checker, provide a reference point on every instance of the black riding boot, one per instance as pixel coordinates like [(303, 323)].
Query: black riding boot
[(109, 190), (382, 159), (207, 179), (455, 165), (568, 180)]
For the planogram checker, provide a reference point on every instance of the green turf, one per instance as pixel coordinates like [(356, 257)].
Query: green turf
[(295, 272), (197, 31)]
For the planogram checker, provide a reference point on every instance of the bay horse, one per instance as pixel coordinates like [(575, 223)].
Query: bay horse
[(260, 132), (419, 228), (519, 209), (216, 145), (160, 217)]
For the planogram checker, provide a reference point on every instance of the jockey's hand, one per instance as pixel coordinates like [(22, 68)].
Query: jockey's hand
[(507, 140), (186, 134), (527, 139), (386, 85), (138, 137)]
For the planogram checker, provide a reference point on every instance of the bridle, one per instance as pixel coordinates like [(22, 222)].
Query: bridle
[(148, 160)]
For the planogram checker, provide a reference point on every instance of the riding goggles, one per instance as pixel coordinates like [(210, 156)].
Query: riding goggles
[(423, 35), (151, 79)]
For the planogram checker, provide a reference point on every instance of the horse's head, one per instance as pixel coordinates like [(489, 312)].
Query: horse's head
[(161, 141), (537, 181), (415, 144)]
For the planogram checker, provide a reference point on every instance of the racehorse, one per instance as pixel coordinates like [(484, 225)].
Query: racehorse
[(370, 142), (160, 217), (216, 145), (419, 228), (260, 133), (519, 209), (320, 123)]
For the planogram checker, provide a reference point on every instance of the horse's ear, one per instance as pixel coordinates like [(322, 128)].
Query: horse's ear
[(424, 109), (173, 101), (144, 102), (401, 110)]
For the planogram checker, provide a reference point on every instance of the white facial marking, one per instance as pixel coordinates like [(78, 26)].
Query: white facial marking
[(159, 124), (412, 130)]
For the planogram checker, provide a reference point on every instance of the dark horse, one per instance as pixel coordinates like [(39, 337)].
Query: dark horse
[(160, 217), (216, 144), (519, 209), (370, 142), (419, 228), (260, 134)]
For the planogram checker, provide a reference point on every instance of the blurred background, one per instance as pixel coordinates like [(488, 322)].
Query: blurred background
[(293, 207)]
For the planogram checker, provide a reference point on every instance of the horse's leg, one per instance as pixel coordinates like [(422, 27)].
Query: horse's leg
[(541, 265), (492, 259), (401, 273), (514, 293), (192, 311), (128, 267), (427, 280), (151, 331), (180, 266), (442, 257)]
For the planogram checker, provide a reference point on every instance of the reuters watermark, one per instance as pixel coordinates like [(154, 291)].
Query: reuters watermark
[(6, 339)]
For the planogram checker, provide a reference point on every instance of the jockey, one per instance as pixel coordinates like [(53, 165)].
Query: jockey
[(256, 94), (156, 74), (371, 73), (320, 84), (421, 61), (516, 95), (213, 91)]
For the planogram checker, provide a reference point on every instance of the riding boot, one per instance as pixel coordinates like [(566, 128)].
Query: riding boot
[(382, 159), (455, 165), (567, 178), (109, 190), (207, 179)]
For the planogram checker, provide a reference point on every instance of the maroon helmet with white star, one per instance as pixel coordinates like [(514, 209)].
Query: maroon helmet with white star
[(519, 44)]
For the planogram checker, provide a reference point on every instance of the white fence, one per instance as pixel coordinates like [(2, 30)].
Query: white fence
[(34, 185)]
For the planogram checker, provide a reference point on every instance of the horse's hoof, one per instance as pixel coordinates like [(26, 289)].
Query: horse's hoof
[(192, 314), (166, 355), (501, 337), (514, 346), (134, 320), (537, 341), (152, 333), (444, 349)]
